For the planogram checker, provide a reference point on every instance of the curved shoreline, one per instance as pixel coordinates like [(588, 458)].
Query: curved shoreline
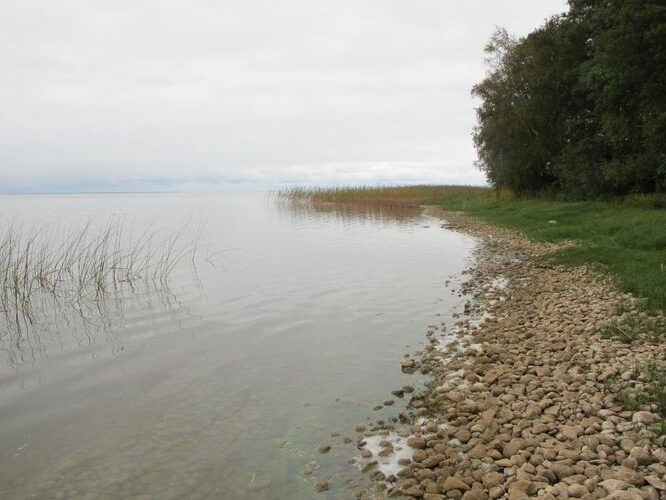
[(525, 400)]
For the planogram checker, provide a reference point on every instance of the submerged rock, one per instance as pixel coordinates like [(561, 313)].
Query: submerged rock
[(322, 486)]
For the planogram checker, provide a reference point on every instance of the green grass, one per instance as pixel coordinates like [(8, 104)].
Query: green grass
[(627, 236), (628, 242), (649, 394)]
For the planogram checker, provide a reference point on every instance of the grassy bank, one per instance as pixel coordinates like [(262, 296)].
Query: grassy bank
[(627, 237)]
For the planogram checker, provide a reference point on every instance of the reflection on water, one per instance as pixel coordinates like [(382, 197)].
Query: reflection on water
[(347, 212), (223, 388), (55, 323)]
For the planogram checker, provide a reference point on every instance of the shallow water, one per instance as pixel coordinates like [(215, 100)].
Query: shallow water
[(289, 326)]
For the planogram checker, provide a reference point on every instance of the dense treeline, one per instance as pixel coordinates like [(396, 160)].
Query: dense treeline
[(578, 106)]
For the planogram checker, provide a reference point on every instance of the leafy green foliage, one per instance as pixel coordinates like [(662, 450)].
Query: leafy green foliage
[(628, 241), (579, 105)]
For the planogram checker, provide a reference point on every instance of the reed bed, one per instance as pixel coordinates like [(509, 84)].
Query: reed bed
[(452, 196), (83, 263)]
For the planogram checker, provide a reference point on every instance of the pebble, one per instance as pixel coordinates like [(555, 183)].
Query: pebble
[(322, 486), (524, 403)]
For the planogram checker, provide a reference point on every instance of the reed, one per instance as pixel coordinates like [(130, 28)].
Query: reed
[(83, 263), (453, 196)]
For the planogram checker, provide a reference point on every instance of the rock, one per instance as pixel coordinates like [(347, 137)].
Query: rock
[(627, 445), (407, 388), (479, 451), (407, 363), (398, 393), (513, 447), (463, 435), (648, 493), (624, 474), (532, 411), (454, 483), (613, 485), (656, 483), (517, 494), (388, 402), (324, 448), (577, 491), (496, 492), (366, 454), (569, 432), (475, 494), (433, 461), (492, 479), (562, 470), (416, 442), (644, 417), (413, 491), (455, 396), (624, 495), (321, 486), (360, 428), (641, 456)]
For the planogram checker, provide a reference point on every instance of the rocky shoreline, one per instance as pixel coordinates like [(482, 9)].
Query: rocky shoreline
[(526, 397)]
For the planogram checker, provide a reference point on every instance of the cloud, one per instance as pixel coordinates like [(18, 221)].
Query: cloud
[(173, 95)]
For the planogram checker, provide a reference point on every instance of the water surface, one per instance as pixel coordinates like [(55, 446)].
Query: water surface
[(289, 326)]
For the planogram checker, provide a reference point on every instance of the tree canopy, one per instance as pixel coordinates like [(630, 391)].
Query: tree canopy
[(578, 106)]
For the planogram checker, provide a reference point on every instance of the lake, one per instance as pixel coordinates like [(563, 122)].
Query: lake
[(287, 324)]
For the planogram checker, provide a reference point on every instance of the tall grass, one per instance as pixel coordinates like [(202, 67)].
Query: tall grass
[(396, 195), (82, 264)]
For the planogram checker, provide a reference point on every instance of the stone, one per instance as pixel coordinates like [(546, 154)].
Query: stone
[(496, 492), (324, 448), (413, 491), (570, 432), (644, 417), (641, 456), (492, 479), (454, 483), (513, 447), (463, 435), (624, 495), (407, 363), (475, 494), (322, 486), (613, 485), (656, 483), (478, 452), (577, 491), (517, 494), (532, 411), (624, 474), (562, 470), (416, 442)]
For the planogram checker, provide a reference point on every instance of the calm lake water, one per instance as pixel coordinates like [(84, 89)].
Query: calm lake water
[(288, 325)]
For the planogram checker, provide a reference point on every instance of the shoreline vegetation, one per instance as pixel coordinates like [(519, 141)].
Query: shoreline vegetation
[(83, 265), (625, 236), (553, 381)]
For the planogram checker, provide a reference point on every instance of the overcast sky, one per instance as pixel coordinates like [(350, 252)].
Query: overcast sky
[(137, 95)]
